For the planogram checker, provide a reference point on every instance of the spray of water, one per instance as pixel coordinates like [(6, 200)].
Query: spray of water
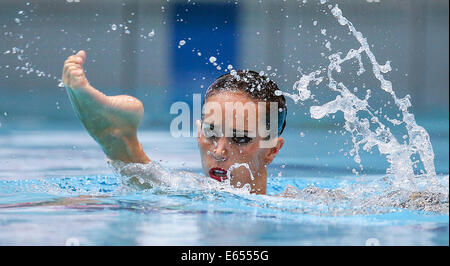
[(361, 129), (153, 175), (405, 189)]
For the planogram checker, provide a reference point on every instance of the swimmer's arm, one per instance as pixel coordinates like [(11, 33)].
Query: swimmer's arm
[(111, 120)]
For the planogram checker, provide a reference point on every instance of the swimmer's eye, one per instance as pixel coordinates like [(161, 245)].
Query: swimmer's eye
[(208, 131), (241, 140), (209, 134)]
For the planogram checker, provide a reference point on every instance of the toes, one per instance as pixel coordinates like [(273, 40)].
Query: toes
[(66, 66), (77, 72), (74, 59), (82, 55)]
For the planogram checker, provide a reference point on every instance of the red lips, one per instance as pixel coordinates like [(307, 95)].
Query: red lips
[(218, 174)]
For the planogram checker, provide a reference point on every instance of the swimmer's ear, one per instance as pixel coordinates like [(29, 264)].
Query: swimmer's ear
[(199, 127), (272, 152)]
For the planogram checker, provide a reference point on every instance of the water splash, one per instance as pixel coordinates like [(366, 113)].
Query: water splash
[(301, 86), (237, 165), (361, 129), (154, 176), (401, 187)]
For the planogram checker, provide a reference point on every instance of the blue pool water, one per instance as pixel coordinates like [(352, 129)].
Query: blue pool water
[(56, 186)]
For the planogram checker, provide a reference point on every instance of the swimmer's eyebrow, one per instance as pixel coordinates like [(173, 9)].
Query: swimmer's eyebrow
[(239, 130), (235, 131), (243, 133)]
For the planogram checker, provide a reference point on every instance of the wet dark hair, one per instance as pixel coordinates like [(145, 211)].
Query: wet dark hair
[(256, 86)]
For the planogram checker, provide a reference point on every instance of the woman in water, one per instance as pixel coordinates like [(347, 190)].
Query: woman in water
[(228, 148)]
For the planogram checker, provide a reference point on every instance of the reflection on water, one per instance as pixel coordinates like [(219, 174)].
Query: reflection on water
[(53, 169), (100, 210), (53, 226), (161, 217)]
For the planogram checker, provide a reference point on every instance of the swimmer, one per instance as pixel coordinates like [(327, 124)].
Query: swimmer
[(113, 121)]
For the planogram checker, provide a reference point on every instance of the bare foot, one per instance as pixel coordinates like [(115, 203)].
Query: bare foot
[(111, 120)]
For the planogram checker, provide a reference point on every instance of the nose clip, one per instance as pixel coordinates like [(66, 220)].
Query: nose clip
[(223, 151), (219, 159)]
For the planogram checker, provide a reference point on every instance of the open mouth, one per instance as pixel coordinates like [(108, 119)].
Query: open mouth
[(218, 174)]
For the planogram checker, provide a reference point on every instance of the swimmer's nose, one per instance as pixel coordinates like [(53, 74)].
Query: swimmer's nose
[(220, 151)]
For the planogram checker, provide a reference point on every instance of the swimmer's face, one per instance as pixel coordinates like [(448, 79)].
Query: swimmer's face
[(224, 141)]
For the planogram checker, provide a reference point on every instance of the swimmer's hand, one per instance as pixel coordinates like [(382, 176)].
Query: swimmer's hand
[(111, 120)]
